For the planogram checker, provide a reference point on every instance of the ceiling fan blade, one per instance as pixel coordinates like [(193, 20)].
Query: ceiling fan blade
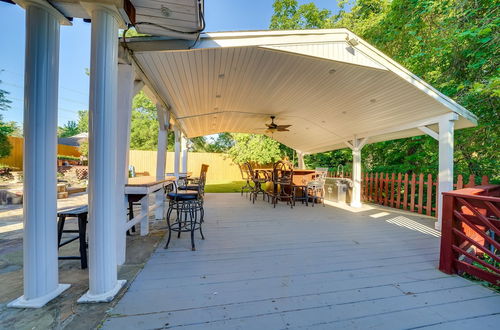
[(280, 129), (284, 126)]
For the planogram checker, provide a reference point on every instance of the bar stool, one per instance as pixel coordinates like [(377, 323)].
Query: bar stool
[(81, 213), (188, 206)]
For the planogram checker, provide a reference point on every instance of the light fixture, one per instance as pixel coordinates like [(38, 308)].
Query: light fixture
[(373, 100), (221, 76), (332, 71), (217, 96), (352, 41)]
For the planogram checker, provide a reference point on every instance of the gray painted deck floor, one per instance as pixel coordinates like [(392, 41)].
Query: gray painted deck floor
[(309, 268)]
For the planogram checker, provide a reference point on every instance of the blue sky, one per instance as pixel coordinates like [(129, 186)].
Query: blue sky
[(220, 15)]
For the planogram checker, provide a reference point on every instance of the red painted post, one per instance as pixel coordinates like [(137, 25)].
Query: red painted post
[(446, 253), (460, 182), (412, 195), (371, 187), (392, 189), (429, 195), (381, 189), (398, 196), (405, 195), (485, 180), (386, 197), (420, 193)]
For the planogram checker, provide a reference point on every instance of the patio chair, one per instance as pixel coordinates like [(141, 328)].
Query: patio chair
[(316, 187), (194, 183), (259, 178), (282, 183), (247, 176), (188, 205)]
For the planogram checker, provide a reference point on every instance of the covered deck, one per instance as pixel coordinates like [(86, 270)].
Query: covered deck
[(277, 268), (315, 268)]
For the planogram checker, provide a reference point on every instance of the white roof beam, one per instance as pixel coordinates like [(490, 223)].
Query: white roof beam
[(429, 132)]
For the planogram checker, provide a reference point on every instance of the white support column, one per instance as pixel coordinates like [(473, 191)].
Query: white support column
[(300, 156), (356, 146), (40, 263), (184, 148), (161, 158), (177, 151), (102, 189), (124, 103), (445, 177)]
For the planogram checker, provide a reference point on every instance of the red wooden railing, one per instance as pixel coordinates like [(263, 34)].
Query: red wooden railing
[(471, 233), (414, 193)]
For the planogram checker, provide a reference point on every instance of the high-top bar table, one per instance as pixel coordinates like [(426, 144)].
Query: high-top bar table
[(140, 189)]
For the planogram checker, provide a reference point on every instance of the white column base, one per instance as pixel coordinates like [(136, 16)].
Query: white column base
[(356, 204), (89, 298), (40, 301), (437, 226)]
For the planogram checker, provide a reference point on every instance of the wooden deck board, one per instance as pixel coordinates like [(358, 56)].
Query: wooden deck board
[(318, 268)]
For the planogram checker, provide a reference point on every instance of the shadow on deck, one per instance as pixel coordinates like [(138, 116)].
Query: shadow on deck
[(314, 268)]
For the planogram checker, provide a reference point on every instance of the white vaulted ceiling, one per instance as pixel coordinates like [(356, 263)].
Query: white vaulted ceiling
[(328, 90)]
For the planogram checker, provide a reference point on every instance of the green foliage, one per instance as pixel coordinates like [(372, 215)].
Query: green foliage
[(67, 157), (144, 124), (84, 149), (222, 143), (255, 148), (69, 129), (452, 44), (289, 16), (5, 128), (83, 121)]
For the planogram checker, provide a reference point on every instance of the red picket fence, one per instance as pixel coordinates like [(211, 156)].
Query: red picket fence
[(414, 193), (470, 241)]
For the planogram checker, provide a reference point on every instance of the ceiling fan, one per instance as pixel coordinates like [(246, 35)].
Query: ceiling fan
[(273, 127)]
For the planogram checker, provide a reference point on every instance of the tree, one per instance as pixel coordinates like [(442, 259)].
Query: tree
[(5, 128), (254, 148), (144, 124), (221, 143), (69, 129), (83, 121), (452, 44)]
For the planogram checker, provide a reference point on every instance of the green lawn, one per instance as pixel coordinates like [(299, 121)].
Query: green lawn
[(227, 187)]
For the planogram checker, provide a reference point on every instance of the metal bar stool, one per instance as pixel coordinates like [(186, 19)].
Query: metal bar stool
[(188, 206), (81, 213)]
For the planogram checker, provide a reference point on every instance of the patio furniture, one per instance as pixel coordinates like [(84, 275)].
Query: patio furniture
[(300, 193), (247, 176), (81, 213), (282, 183), (316, 188), (192, 183), (259, 178), (138, 191), (188, 205)]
